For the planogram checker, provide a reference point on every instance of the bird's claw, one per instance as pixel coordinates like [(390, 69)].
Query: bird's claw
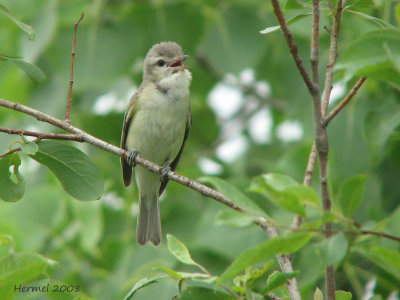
[(131, 158), (164, 172)]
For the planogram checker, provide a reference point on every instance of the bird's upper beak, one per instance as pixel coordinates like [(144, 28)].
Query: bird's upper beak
[(179, 62)]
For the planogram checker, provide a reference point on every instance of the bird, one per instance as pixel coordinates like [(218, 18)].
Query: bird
[(156, 126)]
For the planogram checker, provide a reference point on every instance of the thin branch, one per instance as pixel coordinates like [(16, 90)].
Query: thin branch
[(71, 71), (314, 42), (41, 135), (10, 152), (344, 101), (293, 48), (334, 34)]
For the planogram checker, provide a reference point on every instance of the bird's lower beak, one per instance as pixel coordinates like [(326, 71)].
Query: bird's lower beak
[(179, 62)]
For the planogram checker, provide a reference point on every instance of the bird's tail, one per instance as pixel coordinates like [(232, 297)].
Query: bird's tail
[(148, 223)]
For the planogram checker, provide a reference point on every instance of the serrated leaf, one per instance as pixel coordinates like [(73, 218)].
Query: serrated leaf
[(282, 191), (282, 244), (11, 190), (342, 295), (332, 250), (318, 294), (233, 218), (25, 27), (143, 283), (29, 148), (277, 279), (77, 174), (180, 251), (234, 195), (289, 22), (351, 194), (34, 73)]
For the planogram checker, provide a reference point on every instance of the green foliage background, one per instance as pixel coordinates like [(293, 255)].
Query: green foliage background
[(94, 242)]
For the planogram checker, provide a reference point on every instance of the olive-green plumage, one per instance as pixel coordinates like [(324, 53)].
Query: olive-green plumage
[(156, 125)]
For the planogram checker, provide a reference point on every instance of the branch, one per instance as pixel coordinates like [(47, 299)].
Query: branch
[(71, 73), (41, 135), (344, 101), (82, 136), (10, 151), (293, 48)]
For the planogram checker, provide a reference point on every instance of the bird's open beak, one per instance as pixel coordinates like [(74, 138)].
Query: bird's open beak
[(178, 63)]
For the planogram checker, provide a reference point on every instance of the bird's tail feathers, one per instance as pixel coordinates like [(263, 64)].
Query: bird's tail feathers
[(148, 224)]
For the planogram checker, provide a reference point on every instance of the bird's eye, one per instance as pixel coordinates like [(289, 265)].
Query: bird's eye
[(161, 63)]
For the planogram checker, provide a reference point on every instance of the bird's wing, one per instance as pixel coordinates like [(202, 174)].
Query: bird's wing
[(129, 114), (176, 160)]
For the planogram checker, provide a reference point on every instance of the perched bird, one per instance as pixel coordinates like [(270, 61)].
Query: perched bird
[(156, 125)]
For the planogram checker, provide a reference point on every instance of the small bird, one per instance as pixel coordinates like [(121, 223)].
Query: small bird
[(156, 126)]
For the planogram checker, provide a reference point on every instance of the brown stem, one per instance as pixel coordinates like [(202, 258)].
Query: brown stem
[(10, 152), (71, 71), (344, 101), (293, 48), (41, 135)]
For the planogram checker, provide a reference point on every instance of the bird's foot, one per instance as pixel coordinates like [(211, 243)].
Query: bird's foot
[(131, 158), (164, 172)]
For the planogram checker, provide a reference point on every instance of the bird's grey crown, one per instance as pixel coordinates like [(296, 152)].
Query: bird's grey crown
[(165, 49)]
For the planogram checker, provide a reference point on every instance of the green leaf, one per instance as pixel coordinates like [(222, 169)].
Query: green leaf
[(282, 244), (373, 19), (378, 127), (180, 251), (83, 298), (284, 192), (33, 72), (19, 268), (233, 218), (77, 174), (201, 293), (342, 295), (318, 294), (333, 249), (11, 188), (143, 283), (368, 56), (294, 4), (351, 194), (172, 273), (29, 148), (6, 239), (385, 258), (28, 29), (234, 195), (289, 22), (277, 279)]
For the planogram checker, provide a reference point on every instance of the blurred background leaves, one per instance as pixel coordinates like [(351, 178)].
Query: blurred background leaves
[(251, 115)]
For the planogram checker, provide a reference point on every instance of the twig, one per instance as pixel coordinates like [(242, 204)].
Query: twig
[(293, 48), (41, 135), (71, 72), (344, 101), (334, 34), (10, 151), (314, 42)]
